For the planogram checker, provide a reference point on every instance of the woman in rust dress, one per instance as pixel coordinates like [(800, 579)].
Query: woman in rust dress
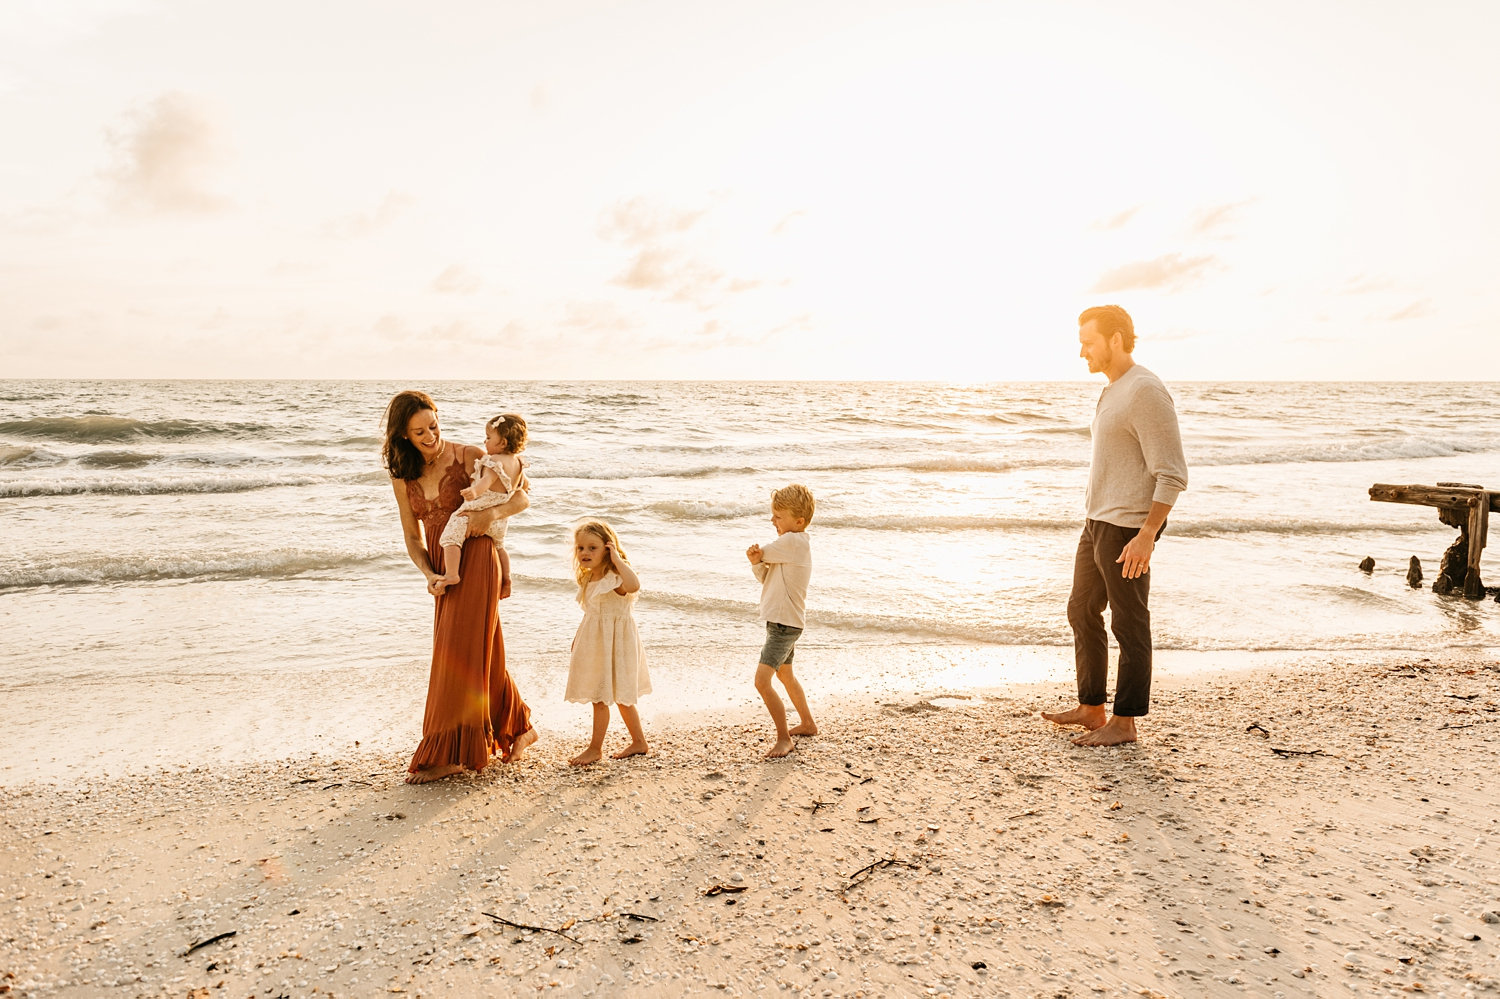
[(473, 708)]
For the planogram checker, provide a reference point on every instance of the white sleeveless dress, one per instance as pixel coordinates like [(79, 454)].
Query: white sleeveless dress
[(609, 663)]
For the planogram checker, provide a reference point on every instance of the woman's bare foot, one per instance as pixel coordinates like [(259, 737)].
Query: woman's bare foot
[(634, 749), (1090, 716), (433, 773), (1116, 732), (523, 742), (587, 757), (784, 745), (805, 728)]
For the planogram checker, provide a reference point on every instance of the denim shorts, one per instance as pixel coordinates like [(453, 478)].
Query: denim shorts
[(779, 647)]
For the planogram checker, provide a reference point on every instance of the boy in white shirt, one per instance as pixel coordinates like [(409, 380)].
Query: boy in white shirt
[(784, 568)]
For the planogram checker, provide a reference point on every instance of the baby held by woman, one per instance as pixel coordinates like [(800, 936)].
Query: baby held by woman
[(496, 477)]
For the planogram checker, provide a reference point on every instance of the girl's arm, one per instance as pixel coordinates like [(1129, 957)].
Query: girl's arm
[(629, 581), (482, 485), (411, 532)]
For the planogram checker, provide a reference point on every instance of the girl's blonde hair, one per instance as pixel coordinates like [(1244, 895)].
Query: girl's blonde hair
[(603, 532)]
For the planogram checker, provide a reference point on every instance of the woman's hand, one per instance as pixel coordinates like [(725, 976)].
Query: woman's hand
[(432, 582), (480, 521)]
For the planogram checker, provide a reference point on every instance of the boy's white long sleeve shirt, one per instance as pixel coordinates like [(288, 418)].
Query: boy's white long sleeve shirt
[(784, 570)]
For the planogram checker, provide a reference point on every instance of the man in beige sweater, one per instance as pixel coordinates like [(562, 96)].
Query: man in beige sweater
[(1137, 471)]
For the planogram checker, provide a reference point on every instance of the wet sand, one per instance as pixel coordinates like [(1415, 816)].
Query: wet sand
[(1316, 828)]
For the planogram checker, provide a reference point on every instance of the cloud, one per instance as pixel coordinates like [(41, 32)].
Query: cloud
[(1420, 309), (361, 224), (169, 153), (1213, 221), (637, 222), (786, 221), (1362, 284), (662, 263), (1170, 271), (1116, 221), (456, 280)]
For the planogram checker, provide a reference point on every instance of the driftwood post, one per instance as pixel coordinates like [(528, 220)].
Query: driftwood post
[(1460, 505)]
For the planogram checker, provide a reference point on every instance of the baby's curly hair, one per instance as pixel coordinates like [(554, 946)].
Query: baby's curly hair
[(512, 429)]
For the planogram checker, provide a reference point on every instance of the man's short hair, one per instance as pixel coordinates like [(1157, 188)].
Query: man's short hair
[(1111, 319), (796, 500)]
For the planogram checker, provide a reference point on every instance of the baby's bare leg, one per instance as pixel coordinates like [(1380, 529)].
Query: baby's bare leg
[(452, 557), (799, 701), (763, 674), (595, 751), (504, 574), (632, 719)]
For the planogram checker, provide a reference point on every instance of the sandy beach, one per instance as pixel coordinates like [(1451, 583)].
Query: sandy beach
[(1315, 828)]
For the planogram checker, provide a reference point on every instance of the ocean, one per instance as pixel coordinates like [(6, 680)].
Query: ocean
[(214, 568)]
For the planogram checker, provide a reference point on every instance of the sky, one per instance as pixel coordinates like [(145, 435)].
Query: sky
[(784, 190)]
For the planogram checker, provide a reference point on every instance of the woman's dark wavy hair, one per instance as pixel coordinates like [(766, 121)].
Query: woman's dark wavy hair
[(401, 457)]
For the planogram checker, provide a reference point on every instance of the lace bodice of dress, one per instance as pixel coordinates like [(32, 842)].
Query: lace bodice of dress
[(448, 496)]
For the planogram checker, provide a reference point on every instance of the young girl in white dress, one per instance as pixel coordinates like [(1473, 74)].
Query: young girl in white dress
[(608, 664), (497, 474)]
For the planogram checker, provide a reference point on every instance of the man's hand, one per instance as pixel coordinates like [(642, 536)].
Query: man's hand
[(753, 554), (1136, 556)]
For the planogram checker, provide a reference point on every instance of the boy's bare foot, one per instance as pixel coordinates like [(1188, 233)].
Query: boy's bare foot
[(806, 728), (523, 742), (433, 773), (1117, 732), (634, 749), (1090, 716), (784, 745), (588, 756)]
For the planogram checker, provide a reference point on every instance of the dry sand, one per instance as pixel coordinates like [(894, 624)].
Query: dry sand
[(937, 846)]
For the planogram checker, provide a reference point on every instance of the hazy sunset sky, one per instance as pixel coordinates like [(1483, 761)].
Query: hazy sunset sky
[(1276, 190)]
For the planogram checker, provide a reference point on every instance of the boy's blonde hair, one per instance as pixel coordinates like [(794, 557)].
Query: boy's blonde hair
[(795, 499), (512, 430), (603, 532)]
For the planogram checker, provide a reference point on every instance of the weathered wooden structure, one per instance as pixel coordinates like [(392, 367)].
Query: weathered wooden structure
[(1461, 505)]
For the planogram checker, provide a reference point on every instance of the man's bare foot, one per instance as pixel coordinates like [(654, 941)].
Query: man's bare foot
[(1090, 716), (634, 749), (783, 747), (433, 773), (523, 742), (588, 756), (806, 728), (1116, 733)]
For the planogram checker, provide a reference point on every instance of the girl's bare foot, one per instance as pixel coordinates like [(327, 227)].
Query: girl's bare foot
[(504, 587), (806, 728), (634, 749), (523, 742), (433, 773), (585, 758), (784, 745)]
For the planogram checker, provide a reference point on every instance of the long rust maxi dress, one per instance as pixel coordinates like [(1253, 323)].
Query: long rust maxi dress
[(473, 708)]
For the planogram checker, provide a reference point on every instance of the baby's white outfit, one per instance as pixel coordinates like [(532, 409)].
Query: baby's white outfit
[(609, 663), (457, 528)]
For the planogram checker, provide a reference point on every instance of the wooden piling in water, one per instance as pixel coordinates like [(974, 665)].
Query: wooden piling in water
[(1460, 505)]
